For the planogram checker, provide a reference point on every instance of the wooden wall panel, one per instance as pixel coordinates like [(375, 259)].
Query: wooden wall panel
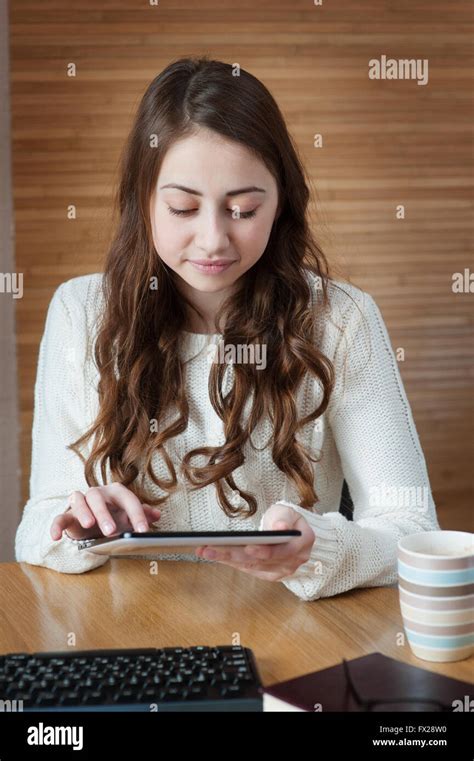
[(385, 143)]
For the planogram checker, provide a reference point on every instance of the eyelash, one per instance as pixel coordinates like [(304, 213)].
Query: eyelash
[(185, 212)]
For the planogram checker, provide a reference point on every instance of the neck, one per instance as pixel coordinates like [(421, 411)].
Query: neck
[(208, 305)]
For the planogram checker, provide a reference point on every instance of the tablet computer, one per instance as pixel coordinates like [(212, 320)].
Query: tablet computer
[(134, 543)]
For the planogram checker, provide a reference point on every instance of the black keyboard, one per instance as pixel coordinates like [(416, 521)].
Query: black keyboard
[(221, 678)]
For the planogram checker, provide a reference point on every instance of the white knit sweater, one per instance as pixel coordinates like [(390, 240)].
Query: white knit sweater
[(366, 436)]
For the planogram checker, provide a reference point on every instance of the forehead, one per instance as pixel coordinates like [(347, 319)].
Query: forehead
[(209, 162)]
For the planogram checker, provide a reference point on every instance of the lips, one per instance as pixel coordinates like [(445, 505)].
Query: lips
[(211, 262), (211, 266)]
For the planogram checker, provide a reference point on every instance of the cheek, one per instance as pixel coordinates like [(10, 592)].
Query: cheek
[(253, 239), (169, 239)]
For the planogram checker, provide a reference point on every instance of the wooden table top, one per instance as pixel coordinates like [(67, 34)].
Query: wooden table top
[(122, 604)]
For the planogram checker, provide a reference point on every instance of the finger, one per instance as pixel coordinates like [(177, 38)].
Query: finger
[(124, 498), (277, 513), (79, 514), (98, 506), (152, 513), (61, 522), (296, 543), (240, 555), (263, 552), (260, 551), (81, 510), (281, 526), (282, 517)]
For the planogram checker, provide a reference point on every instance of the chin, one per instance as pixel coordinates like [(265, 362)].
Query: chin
[(217, 284)]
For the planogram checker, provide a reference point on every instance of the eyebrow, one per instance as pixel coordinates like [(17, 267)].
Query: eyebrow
[(238, 192)]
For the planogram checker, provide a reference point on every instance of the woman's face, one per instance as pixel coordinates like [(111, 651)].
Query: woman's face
[(227, 202)]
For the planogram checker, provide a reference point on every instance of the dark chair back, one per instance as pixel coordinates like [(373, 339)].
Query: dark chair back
[(346, 506)]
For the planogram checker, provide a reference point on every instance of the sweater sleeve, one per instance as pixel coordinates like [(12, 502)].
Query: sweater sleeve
[(382, 462), (58, 420)]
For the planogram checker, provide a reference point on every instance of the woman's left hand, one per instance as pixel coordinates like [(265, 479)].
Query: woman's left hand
[(269, 562)]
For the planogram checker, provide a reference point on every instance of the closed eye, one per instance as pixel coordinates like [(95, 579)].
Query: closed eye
[(186, 212)]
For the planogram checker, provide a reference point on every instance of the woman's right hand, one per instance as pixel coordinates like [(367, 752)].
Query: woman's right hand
[(103, 510)]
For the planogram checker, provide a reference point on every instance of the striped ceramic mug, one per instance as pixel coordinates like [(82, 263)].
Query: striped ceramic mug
[(436, 586)]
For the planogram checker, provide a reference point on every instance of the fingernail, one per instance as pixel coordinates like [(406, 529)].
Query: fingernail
[(107, 527), (143, 526)]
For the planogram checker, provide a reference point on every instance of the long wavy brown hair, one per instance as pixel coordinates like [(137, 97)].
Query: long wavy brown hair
[(136, 350)]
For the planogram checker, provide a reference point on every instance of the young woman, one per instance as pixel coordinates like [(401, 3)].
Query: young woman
[(216, 369)]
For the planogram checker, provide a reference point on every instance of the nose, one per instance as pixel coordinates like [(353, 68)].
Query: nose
[(212, 234)]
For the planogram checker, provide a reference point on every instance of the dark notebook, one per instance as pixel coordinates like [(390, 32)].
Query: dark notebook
[(376, 677)]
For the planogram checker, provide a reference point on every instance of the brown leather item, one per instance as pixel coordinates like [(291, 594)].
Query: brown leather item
[(376, 677)]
